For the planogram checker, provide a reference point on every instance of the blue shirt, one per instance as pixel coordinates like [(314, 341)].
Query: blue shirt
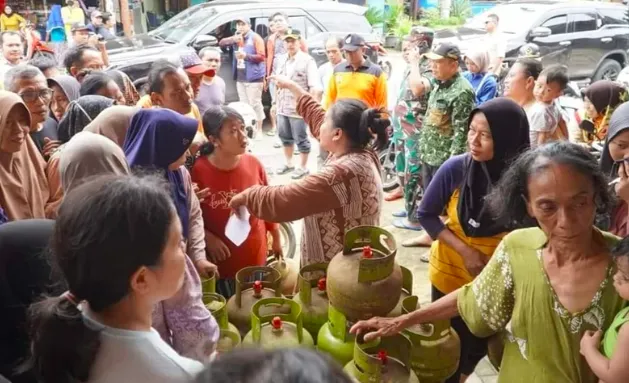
[(487, 90)]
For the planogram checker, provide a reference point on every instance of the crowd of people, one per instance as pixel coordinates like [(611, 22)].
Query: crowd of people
[(113, 205)]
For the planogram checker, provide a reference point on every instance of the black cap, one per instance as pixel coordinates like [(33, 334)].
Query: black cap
[(292, 34), (445, 50), (353, 42), (78, 27)]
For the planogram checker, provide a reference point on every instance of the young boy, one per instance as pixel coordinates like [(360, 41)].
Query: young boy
[(545, 116)]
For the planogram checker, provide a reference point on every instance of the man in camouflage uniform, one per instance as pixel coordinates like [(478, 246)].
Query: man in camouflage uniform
[(407, 117), (444, 129)]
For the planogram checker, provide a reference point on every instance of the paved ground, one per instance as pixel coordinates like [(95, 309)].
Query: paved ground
[(272, 158)]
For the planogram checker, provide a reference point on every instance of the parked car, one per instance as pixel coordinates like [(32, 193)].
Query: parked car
[(590, 38), (205, 24)]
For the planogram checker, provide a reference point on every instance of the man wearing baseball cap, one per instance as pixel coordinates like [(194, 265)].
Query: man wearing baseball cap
[(357, 77), (195, 69), (80, 34), (444, 128), (249, 67), (292, 130)]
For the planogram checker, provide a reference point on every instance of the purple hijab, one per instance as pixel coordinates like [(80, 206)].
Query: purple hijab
[(156, 138)]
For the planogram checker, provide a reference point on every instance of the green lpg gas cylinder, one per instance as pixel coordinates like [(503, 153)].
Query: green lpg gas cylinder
[(364, 280), (227, 341), (313, 297), (436, 347), (384, 360), (208, 285), (248, 293), (218, 307), (407, 291), (277, 330), (334, 337)]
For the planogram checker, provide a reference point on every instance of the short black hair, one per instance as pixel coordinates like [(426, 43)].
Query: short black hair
[(94, 82), (106, 16), (284, 15), (43, 62), (74, 55), (159, 70), (557, 74), (494, 17), (10, 33), (507, 200), (532, 67)]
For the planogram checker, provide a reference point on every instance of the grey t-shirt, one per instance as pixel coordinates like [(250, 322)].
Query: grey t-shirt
[(211, 94), (542, 118)]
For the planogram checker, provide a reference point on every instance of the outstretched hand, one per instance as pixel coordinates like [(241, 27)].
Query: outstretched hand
[(378, 327)]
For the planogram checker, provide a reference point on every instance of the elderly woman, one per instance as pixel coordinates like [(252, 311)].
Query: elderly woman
[(545, 285), (484, 83)]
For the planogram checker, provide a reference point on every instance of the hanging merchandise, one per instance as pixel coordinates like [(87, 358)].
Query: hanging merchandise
[(364, 280), (274, 331), (248, 293), (384, 360), (313, 297), (436, 347)]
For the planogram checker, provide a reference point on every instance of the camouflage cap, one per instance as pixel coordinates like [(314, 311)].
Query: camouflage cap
[(445, 50)]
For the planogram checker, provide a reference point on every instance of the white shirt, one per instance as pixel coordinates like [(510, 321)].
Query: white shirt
[(325, 74), (126, 356), (496, 46)]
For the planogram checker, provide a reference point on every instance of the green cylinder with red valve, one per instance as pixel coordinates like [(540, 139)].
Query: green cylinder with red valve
[(407, 291), (364, 280), (313, 296), (208, 285), (216, 303), (383, 360), (277, 330), (248, 293)]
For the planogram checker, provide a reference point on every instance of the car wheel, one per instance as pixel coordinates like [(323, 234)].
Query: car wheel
[(608, 70)]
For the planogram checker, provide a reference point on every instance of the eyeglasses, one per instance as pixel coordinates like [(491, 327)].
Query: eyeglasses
[(33, 95)]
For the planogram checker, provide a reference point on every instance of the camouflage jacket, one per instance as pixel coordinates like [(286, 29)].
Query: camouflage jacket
[(409, 109), (444, 130)]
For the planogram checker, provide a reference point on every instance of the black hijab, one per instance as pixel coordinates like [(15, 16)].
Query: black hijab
[(80, 113), (618, 122), (510, 132), (25, 275)]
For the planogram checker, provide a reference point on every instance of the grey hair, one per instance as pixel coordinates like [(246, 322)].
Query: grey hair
[(205, 50), (20, 72)]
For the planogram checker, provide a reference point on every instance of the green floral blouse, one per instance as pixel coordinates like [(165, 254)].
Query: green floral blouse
[(513, 295)]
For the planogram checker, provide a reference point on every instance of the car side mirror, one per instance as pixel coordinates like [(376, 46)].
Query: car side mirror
[(540, 32), (203, 41)]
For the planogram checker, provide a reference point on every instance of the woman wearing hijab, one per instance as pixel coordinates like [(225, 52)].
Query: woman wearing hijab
[(614, 163), (55, 30), (25, 275), (113, 123), (159, 139), (80, 113), (498, 132), (483, 82), (65, 89), (10, 21), (23, 184), (599, 102), (125, 84)]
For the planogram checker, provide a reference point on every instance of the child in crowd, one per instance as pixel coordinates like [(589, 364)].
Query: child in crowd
[(609, 359), (545, 121)]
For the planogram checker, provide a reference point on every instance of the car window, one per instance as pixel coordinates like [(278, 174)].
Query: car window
[(304, 25), (183, 26), (614, 16), (342, 21), (261, 26), (514, 18), (557, 24), (583, 22)]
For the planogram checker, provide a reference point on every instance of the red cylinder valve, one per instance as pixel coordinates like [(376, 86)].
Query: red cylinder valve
[(276, 322), (367, 252), (257, 287), (321, 285), (382, 355)]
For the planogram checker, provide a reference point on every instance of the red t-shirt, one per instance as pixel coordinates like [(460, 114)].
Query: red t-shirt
[(223, 185)]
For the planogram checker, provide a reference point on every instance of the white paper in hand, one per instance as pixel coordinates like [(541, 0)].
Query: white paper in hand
[(238, 227)]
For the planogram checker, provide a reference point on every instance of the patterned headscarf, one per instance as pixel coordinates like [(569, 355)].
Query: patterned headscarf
[(126, 86), (80, 113)]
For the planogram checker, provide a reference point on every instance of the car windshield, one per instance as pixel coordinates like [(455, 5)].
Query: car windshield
[(183, 26), (514, 18)]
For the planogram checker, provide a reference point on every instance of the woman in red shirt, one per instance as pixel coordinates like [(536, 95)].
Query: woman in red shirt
[(225, 169)]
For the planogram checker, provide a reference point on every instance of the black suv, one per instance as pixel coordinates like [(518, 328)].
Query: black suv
[(590, 38), (205, 24)]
